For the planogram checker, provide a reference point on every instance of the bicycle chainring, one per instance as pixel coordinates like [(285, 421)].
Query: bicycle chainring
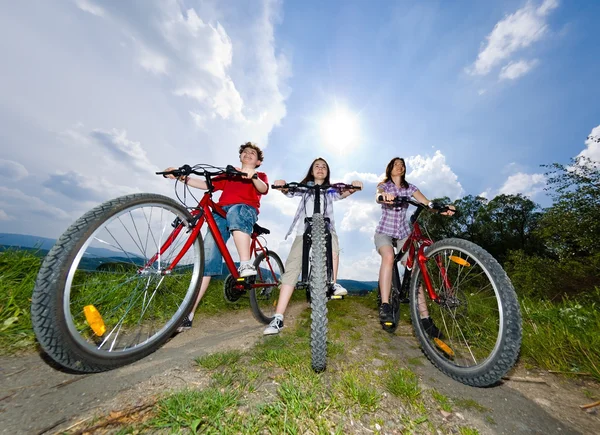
[(231, 293)]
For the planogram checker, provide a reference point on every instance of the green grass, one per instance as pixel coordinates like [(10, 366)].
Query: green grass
[(219, 359), (404, 384), (18, 270), (563, 335)]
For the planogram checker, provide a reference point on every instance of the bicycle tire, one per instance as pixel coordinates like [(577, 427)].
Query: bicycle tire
[(479, 316), (318, 295), (263, 300), (101, 261)]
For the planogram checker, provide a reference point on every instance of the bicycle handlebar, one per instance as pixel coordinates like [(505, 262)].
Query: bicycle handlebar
[(400, 201), (203, 170), (337, 186)]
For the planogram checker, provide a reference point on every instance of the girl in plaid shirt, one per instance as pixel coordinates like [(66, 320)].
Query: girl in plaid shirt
[(393, 229)]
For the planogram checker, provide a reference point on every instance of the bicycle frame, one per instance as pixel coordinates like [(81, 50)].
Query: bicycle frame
[(201, 214), (415, 240)]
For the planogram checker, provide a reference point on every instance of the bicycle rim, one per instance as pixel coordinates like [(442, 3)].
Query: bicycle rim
[(116, 302), (264, 297), (477, 314)]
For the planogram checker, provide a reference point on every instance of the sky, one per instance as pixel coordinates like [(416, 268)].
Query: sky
[(95, 96)]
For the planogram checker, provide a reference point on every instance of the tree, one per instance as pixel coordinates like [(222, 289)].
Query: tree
[(508, 222), (571, 226)]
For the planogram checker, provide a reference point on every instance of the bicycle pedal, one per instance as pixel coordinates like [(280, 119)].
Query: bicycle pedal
[(337, 297), (388, 323)]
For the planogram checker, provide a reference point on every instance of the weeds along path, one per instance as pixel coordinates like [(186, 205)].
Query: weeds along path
[(36, 397), (374, 383)]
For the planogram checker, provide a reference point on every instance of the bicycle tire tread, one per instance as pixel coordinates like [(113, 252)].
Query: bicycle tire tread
[(318, 282), (501, 362), (46, 302)]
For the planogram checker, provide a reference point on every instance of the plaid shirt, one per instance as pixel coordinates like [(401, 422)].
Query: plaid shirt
[(393, 220)]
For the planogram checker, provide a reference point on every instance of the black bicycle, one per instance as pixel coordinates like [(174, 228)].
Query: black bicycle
[(467, 294), (317, 268)]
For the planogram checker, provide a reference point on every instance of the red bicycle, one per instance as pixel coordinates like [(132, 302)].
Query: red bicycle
[(121, 279), (467, 294)]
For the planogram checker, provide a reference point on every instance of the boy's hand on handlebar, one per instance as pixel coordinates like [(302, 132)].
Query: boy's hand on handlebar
[(171, 176)]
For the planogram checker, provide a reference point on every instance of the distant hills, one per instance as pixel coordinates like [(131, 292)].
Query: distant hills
[(43, 244)]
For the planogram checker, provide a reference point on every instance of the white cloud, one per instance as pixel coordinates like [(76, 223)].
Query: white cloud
[(90, 7), (152, 61), (364, 268), (358, 215), (433, 177), (15, 200), (514, 70), (4, 216), (12, 170), (513, 33), (526, 184), (362, 176), (125, 151), (592, 151), (79, 187)]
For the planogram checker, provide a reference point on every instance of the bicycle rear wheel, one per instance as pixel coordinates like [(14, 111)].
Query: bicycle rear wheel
[(478, 313), (99, 301), (263, 300), (318, 295)]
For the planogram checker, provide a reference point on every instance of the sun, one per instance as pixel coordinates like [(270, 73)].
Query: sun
[(340, 130)]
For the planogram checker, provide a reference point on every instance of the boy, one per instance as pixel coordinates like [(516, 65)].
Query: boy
[(240, 198)]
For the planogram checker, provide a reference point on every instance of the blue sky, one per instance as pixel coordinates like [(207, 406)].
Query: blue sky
[(97, 95)]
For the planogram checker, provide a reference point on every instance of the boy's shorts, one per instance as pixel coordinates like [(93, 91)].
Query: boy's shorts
[(240, 217)]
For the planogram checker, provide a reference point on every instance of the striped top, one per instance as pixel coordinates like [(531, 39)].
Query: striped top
[(307, 205), (393, 220)]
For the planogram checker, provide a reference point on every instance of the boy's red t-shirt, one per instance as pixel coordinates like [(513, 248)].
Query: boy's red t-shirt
[(238, 190)]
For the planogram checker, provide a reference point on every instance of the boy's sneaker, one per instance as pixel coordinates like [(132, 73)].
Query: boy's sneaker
[(185, 325), (430, 328), (275, 326), (247, 270), (338, 290), (385, 313)]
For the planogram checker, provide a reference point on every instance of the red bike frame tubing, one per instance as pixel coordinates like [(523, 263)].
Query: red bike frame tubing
[(204, 206), (416, 237)]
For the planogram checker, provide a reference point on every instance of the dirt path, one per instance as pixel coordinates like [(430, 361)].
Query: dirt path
[(37, 398)]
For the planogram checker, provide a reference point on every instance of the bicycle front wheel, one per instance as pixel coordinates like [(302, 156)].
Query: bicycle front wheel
[(475, 336), (264, 297), (318, 295), (104, 296)]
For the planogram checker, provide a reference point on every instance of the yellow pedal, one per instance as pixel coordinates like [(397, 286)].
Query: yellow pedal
[(336, 297), (443, 347), (388, 323), (241, 279)]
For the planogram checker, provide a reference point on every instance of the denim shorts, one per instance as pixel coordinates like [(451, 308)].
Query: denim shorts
[(240, 217)]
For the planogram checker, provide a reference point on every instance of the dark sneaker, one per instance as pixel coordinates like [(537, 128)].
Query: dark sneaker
[(385, 314), (275, 326), (185, 325), (430, 328)]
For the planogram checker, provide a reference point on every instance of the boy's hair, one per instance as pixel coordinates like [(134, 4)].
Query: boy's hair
[(255, 147), (311, 177), (388, 172)]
